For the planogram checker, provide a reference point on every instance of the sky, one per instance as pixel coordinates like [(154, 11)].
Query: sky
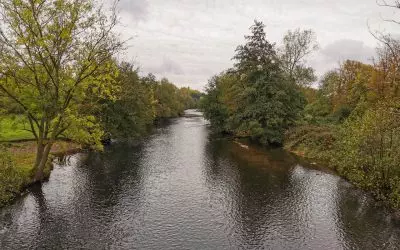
[(189, 41)]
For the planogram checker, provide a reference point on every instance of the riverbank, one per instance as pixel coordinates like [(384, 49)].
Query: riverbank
[(319, 148), (388, 196), (16, 166)]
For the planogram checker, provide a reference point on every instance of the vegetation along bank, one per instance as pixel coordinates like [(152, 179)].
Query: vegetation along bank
[(351, 121)]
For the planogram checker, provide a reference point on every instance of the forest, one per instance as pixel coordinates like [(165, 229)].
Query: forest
[(349, 121), (62, 86)]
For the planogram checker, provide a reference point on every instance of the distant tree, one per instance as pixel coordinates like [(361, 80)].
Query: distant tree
[(297, 45), (189, 97), (53, 53), (133, 110), (167, 99)]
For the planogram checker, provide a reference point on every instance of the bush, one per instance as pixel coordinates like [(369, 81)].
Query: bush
[(368, 152), (10, 180), (311, 141)]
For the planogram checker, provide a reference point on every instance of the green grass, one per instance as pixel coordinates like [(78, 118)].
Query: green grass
[(12, 128)]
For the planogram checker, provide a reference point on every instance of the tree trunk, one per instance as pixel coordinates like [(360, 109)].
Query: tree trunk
[(44, 147), (42, 162), (39, 153)]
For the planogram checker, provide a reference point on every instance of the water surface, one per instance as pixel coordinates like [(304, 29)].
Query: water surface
[(184, 189)]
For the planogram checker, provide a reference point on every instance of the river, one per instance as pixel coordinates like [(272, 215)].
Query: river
[(182, 188)]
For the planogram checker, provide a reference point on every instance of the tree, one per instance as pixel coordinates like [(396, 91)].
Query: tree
[(53, 53), (215, 110), (189, 97), (257, 54), (133, 111), (387, 65), (270, 103), (167, 99), (297, 45), (388, 58), (254, 99), (272, 106)]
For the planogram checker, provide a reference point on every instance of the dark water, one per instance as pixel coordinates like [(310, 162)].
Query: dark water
[(182, 189)]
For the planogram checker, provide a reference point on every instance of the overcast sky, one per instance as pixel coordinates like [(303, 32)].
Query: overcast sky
[(188, 41)]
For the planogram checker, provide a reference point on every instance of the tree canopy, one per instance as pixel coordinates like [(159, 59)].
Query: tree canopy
[(256, 98)]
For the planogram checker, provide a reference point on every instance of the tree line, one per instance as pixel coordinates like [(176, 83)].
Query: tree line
[(351, 121), (58, 69)]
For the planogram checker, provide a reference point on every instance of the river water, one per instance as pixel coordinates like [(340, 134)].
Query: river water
[(183, 189)]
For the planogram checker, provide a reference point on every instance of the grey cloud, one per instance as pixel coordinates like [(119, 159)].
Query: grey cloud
[(136, 9), (331, 55), (168, 66), (348, 49)]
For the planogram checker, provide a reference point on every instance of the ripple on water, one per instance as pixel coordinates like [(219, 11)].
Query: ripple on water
[(182, 189)]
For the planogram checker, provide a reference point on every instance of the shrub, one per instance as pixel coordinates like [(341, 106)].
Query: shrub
[(368, 151), (311, 141), (10, 179)]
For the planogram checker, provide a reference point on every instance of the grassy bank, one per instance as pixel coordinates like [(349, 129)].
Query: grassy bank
[(16, 166)]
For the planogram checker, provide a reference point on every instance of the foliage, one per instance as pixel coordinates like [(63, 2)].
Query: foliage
[(312, 141), (139, 102), (256, 55), (368, 151), (133, 110), (10, 179), (353, 123), (190, 98), (213, 105), (341, 92), (167, 100), (55, 52), (14, 128), (297, 45), (256, 98)]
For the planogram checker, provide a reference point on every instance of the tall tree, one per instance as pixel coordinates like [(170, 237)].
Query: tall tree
[(254, 99), (297, 45), (54, 52), (257, 54)]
